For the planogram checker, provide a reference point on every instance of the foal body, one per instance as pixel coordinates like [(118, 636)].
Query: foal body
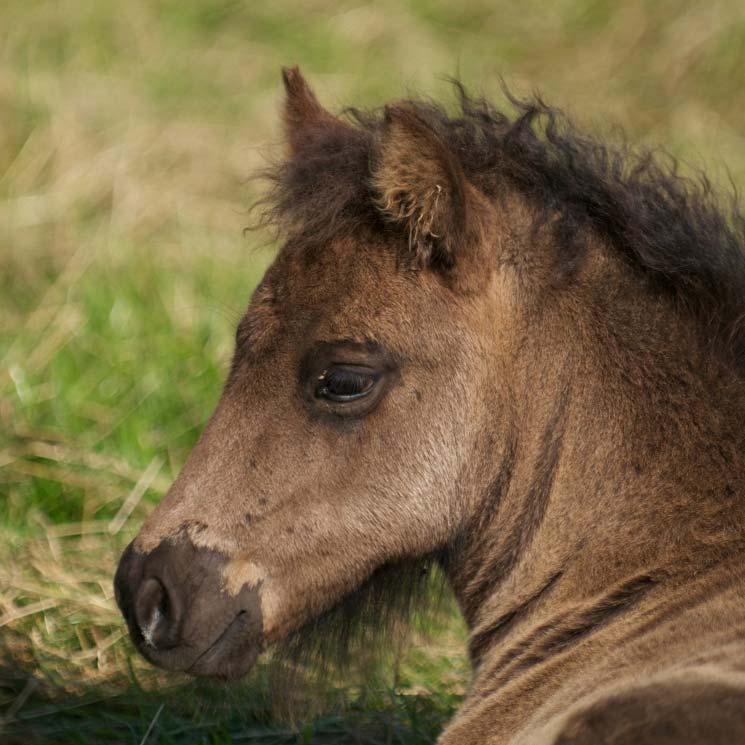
[(602, 577), (505, 351), (682, 683), (628, 631)]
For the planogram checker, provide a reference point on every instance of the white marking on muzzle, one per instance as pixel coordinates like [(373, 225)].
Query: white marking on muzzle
[(239, 573)]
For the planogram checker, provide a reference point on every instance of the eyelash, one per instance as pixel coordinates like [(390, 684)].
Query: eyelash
[(342, 384)]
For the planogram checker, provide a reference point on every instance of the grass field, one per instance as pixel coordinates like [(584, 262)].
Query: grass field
[(127, 133)]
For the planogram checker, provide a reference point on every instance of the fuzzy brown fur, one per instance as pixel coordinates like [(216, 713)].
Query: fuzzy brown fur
[(554, 329)]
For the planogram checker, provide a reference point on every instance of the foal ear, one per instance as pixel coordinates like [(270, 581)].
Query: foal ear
[(420, 183), (304, 117)]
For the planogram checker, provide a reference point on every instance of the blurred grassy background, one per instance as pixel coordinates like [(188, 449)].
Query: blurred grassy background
[(127, 133)]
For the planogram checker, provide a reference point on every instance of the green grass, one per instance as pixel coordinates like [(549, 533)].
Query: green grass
[(127, 133)]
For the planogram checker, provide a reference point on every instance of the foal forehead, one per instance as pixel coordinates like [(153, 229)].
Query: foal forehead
[(350, 290), (342, 274), (367, 296)]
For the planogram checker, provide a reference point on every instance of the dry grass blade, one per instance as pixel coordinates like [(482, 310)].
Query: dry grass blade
[(57, 614), (26, 610), (96, 483), (152, 725), (20, 700), (68, 530), (136, 495), (61, 452)]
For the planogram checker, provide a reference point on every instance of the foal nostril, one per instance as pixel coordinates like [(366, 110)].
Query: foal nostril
[(157, 614)]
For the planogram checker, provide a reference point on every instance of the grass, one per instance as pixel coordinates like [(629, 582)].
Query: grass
[(127, 132)]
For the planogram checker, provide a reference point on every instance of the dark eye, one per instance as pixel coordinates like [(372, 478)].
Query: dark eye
[(342, 384)]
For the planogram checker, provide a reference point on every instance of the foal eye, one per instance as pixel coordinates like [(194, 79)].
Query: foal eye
[(341, 384)]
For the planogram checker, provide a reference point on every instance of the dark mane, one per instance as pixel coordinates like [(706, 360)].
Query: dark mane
[(667, 225)]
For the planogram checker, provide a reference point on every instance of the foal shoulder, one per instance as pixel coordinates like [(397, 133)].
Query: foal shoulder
[(693, 708)]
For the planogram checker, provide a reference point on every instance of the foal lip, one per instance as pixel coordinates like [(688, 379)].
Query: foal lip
[(232, 654), (215, 646)]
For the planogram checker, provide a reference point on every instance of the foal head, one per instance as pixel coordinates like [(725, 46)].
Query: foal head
[(341, 442), (417, 314)]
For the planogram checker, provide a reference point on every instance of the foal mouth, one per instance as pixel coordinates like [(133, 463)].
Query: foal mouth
[(228, 657), (232, 654)]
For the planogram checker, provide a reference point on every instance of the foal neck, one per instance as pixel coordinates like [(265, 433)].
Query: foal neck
[(621, 468)]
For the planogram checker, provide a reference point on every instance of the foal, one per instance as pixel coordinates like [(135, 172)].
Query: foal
[(493, 343)]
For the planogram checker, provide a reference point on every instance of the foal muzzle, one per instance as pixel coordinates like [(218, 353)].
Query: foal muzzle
[(179, 615)]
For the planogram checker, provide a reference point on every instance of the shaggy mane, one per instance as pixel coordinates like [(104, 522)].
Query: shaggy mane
[(670, 227)]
